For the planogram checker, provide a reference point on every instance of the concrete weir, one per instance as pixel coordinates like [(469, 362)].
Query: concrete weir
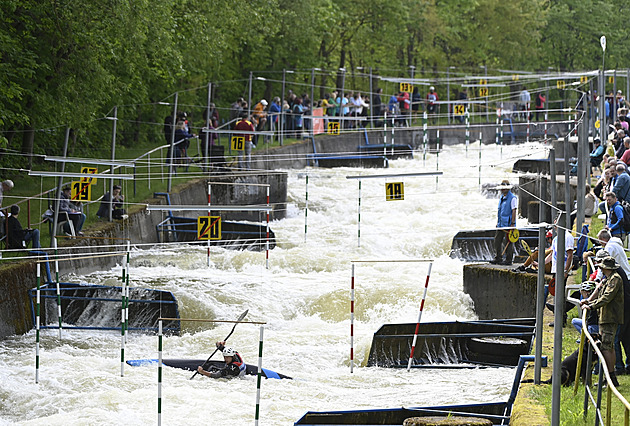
[(17, 278)]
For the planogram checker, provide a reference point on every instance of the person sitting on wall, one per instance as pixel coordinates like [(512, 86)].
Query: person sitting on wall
[(531, 264), (17, 237), (116, 203)]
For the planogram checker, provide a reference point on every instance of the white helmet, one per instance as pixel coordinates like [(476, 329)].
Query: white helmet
[(228, 352)]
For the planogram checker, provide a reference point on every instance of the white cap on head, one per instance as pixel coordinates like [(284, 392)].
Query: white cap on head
[(431, 88), (264, 102), (8, 183)]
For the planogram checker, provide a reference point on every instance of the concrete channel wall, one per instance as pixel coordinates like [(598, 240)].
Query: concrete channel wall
[(499, 293), (140, 228)]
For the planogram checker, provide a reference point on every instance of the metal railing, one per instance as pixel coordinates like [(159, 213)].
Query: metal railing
[(596, 400)]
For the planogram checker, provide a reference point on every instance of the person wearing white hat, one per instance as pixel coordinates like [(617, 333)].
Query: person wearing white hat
[(506, 218)]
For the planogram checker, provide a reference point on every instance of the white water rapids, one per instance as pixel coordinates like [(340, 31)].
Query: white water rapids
[(304, 299)]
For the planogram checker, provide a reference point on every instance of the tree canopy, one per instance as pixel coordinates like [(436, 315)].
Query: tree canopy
[(67, 63)]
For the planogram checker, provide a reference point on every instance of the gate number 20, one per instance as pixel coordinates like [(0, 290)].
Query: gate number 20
[(209, 228)]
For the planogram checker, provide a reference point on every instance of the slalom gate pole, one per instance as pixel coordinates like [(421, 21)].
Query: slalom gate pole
[(267, 240), (528, 122), (415, 336), (259, 379), (385, 128), (306, 210), (480, 136), (59, 317), (467, 131), (159, 401), (209, 213), (37, 319), (546, 117), (501, 138), (123, 294), (437, 158), (496, 132), (359, 217), (352, 321), (393, 133), (425, 137), (127, 292)]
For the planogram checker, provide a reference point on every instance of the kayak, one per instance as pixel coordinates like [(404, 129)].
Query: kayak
[(192, 364)]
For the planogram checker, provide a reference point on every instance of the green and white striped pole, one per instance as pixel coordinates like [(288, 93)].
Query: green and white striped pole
[(259, 380), (37, 319), (59, 317), (425, 136), (159, 401), (496, 132), (306, 211), (480, 137), (437, 158), (359, 217), (467, 131), (501, 137), (385, 128), (123, 291), (127, 293)]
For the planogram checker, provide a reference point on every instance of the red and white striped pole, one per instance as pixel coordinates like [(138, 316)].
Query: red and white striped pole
[(267, 241), (415, 336), (209, 213), (352, 321)]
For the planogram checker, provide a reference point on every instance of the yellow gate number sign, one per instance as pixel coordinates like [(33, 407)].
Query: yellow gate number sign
[(611, 80), (209, 228), (89, 170), (483, 82), (597, 124), (459, 109), (238, 143), (394, 191), (584, 79), (406, 87), (483, 91), (333, 127), (560, 84), (81, 191)]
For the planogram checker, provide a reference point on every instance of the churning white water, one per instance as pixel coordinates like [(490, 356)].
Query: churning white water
[(304, 299)]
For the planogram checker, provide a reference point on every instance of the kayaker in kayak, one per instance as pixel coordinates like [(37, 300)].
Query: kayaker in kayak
[(234, 364)]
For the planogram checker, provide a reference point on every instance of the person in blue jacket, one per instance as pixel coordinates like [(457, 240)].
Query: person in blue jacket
[(621, 188), (615, 218), (506, 218)]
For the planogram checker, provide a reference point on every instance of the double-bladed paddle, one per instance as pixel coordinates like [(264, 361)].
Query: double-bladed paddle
[(228, 336)]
